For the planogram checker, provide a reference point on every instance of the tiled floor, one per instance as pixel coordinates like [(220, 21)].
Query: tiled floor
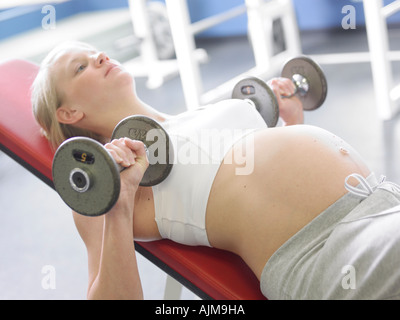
[(36, 228)]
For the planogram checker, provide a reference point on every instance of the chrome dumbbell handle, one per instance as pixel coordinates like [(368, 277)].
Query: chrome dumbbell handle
[(301, 86)]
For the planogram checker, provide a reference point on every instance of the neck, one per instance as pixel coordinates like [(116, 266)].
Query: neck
[(137, 109)]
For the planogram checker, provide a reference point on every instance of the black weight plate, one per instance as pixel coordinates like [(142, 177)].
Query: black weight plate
[(158, 144), (318, 87), (91, 157), (262, 95)]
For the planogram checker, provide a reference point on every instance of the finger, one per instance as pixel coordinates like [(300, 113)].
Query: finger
[(274, 84), (282, 86), (129, 153), (124, 155), (139, 148), (288, 87), (115, 156), (115, 149)]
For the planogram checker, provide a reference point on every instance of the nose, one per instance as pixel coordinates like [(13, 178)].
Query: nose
[(100, 59)]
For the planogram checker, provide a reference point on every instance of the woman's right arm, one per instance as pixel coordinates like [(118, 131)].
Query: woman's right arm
[(91, 231), (113, 271)]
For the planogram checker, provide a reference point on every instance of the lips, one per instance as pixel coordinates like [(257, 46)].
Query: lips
[(111, 67)]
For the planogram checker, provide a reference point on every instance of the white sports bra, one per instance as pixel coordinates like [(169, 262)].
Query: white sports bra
[(200, 138)]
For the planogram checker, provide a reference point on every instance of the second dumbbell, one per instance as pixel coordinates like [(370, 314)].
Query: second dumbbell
[(310, 87)]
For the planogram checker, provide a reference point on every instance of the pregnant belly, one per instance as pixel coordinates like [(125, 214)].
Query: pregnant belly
[(296, 173)]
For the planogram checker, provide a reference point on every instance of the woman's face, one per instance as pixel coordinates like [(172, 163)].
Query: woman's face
[(92, 84)]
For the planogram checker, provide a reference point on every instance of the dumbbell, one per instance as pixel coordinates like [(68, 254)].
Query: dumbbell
[(88, 179), (310, 87)]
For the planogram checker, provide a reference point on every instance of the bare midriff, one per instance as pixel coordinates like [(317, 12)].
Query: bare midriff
[(298, 172)]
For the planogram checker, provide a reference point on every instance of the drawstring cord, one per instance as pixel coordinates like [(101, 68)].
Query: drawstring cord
[(364, 189)]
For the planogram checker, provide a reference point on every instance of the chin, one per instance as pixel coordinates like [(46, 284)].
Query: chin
[(124, 80)]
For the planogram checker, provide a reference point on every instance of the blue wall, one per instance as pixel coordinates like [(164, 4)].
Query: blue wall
[(200, 9), (327, 14), (16, 20), (311, 14), (20, 19)]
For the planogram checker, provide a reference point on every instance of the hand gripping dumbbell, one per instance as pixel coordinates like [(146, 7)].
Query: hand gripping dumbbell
[(88, 179), (310, 87)]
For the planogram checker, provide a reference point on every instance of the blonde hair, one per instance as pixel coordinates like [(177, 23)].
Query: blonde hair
[(46, 99)]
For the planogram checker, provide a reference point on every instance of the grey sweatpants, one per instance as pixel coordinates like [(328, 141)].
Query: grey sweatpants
[(350, 251)]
